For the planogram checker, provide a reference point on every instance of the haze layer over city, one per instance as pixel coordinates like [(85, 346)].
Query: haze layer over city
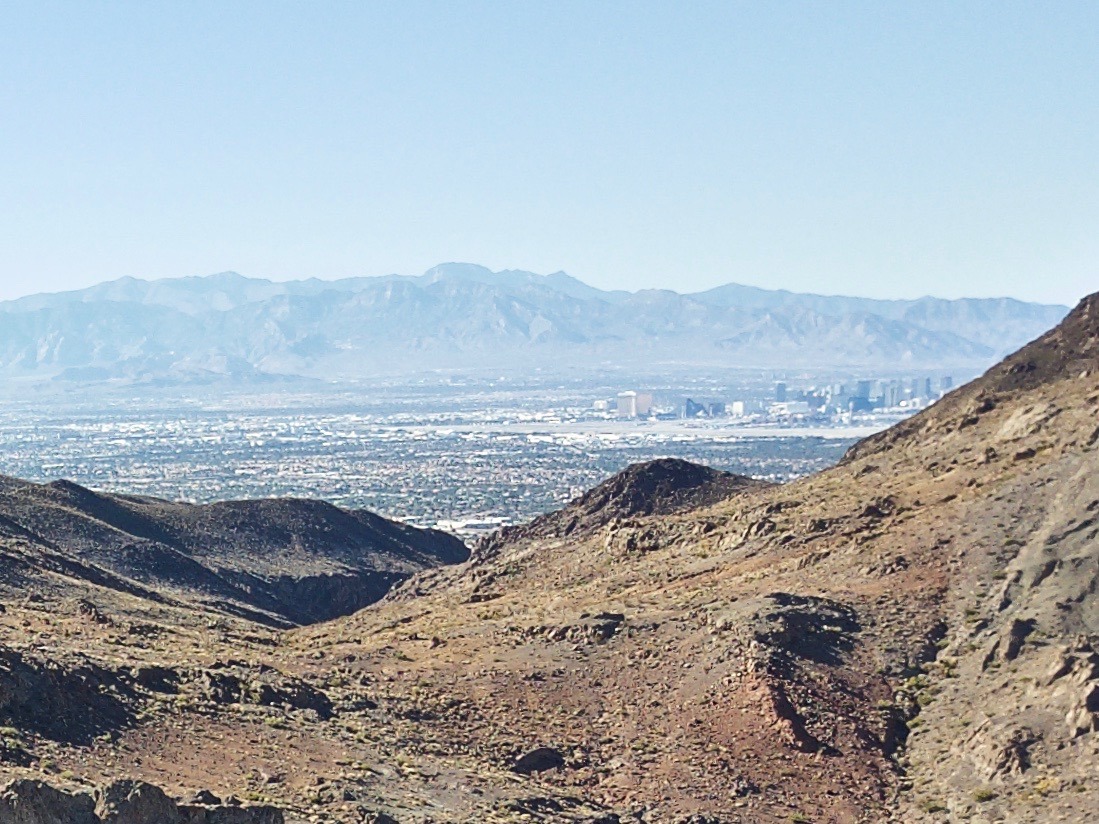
[(463, 399)]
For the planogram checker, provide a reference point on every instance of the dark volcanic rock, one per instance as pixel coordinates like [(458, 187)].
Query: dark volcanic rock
[(538, 760), (122, 802), (238, 684), (660, 487), (34, 802), (64, 702), (134, 802)]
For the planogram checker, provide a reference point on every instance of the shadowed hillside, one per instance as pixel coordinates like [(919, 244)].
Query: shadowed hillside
[(276, 561)]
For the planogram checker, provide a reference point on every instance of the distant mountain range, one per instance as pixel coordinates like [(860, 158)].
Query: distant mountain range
[(462, 315)]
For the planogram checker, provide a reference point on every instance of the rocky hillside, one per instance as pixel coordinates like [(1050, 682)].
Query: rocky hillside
[(910, 636), (912, 633), (278, 562)]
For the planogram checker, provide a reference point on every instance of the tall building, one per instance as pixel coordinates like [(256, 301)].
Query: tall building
[(631, 404), (627, 404), (780, 392), (946, 383), (891, 395)]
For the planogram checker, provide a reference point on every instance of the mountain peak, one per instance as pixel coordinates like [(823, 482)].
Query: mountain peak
[(660, 487), (227, 276), (457, 271)]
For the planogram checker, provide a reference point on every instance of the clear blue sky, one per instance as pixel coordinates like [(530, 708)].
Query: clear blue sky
[(877, 148)]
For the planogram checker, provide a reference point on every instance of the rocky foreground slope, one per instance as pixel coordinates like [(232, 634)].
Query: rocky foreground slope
[(912, 635)]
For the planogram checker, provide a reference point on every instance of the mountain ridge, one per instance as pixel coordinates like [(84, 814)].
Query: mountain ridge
[(131, 329), (729, 293)]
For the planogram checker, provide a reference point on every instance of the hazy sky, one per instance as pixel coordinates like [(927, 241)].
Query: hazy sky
[(877, 148)]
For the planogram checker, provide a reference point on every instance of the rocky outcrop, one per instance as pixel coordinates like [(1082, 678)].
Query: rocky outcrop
[(123, 802), (64, 701), (538, 760), (237, 683), (34, 802)]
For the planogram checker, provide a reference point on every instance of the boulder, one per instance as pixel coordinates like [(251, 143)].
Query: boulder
[(135, 802), (538, 760)]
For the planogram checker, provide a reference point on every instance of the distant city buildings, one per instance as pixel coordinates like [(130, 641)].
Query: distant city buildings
[(703, 409), (836, 402), (743, 409), (633, 404), (789, 408), (891, 395)]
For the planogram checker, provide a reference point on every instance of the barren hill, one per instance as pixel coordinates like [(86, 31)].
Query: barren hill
[(659, 487), (279, 562), (912, 635)]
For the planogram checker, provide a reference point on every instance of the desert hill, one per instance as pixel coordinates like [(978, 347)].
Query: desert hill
[(912, 635), (278, 562), (658, 487)]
